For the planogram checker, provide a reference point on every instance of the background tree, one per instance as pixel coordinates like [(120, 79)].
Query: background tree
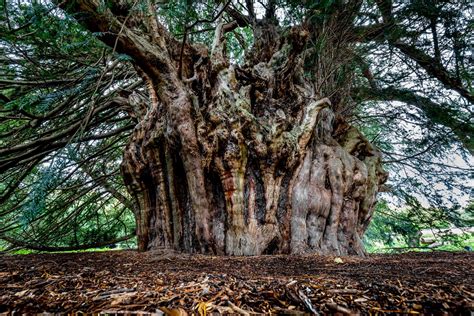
[(240, 120)]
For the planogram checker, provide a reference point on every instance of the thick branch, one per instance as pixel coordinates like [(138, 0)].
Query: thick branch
[(151, 59), (241, 19)]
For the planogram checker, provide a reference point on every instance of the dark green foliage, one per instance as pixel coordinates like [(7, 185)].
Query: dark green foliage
[(50, 73), (397, 230)]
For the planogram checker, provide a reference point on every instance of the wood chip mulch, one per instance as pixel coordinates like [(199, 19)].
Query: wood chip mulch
[(128, 282)]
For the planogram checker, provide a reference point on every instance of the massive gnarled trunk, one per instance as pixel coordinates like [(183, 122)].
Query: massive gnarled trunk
[(243, 200), (247, 161), (241, 160)]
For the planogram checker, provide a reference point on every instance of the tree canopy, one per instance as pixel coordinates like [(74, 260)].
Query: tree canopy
[(402, 72)]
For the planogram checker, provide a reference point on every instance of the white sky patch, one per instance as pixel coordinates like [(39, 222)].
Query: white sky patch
[(452, 159)]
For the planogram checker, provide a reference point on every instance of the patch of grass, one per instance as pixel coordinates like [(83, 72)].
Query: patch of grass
[(28, 251)]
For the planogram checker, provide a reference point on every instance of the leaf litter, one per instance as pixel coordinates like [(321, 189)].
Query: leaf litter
[(157, 283)]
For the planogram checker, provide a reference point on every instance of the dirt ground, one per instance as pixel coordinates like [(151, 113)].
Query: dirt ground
[(130, 282)]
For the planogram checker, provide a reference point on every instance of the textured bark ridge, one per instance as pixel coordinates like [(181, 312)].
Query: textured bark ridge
[(249, 160), (316, 199)]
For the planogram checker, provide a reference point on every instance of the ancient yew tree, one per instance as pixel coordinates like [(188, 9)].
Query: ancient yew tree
[(228, 153)]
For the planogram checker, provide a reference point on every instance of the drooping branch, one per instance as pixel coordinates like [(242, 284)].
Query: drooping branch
[(441, 114), (11, 187), (26, 245), (40, 83), (24, 152), (392, 32), (102, 181), (434, 68)]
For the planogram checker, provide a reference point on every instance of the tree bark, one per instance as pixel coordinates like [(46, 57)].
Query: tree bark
[(242, 162), (239, 160), (314, 195)]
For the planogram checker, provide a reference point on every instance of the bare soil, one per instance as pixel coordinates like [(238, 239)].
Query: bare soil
[(438, 283)]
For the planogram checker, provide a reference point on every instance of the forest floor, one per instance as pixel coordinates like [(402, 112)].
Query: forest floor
[(438, 283)]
